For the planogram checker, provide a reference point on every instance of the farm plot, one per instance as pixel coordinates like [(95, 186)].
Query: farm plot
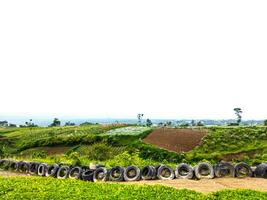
[(177, 140), (131, 130)]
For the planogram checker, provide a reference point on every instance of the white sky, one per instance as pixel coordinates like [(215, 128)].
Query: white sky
[(167, 59)]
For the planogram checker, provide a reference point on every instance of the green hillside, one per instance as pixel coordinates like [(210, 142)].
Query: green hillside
[(121, 144)]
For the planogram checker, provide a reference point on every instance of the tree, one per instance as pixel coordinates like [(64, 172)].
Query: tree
[(69, 123), (238, 112), (200, 123), (56, 122), (265, 122), (86, 123), (168, 123), (139, 118), (193, 123), (149, 122), (184, 125), (30, 124), (12, 125), (3, 123)]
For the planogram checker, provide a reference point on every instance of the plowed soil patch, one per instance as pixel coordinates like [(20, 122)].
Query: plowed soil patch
[(177, 140)]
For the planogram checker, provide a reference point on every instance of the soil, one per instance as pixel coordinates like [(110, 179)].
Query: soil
[(239, 156), (10, 174), (177, 140), (49, 150), (204, 185), (211, 185)]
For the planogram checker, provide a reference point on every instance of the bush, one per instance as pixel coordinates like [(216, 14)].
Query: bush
[(100, 151), (39, 154)]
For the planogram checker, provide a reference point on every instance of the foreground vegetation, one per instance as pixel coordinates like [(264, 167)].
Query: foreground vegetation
[(49, 188)]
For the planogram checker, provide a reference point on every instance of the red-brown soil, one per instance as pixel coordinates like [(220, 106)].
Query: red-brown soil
[(48, 150), (177, 140)]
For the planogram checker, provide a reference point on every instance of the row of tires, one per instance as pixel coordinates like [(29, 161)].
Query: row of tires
[(133, 173)]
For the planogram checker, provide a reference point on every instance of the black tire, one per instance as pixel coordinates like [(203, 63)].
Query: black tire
[(42, 169), (243, 170), (63, 172), (34, 167), (52, 170), (23, 167), (165, 172), (88, 175), (13, 165), (184, 171), (204, 171), (75, 173), (85, 168), (100, 166), (261, 171), (100, 174), (4, 164), (148, 173), (224, 169), (116, 174), (132, 173)]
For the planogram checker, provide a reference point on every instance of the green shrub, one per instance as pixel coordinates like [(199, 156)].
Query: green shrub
[(39, 154), (100, 151)]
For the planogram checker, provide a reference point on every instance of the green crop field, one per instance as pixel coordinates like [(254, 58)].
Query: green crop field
[(248, 144), (85, 143), (49, 188)]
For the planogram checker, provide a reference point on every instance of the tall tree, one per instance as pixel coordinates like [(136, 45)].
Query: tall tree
[(149, 122), (139, 118), (56, 122), (238, 112)]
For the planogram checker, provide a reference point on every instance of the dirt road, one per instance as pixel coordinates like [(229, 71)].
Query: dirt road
[(211, 185), (205, 186)]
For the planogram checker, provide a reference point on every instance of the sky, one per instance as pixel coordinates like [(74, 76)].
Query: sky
[(114, 59)]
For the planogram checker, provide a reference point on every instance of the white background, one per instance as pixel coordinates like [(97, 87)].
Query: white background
[(167, 59)]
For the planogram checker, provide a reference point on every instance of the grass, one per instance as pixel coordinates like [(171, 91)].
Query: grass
[(225, 141), (50, 188), (97, 143)]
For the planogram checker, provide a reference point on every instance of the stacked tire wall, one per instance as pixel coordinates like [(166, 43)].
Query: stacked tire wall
[(132, 173)]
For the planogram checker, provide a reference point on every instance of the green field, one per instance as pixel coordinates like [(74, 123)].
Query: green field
[(49, 188), (123, 144), (247, 144)]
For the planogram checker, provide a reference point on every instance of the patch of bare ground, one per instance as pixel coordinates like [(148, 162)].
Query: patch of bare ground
[(177, 140), (10, 174), (210, 185)]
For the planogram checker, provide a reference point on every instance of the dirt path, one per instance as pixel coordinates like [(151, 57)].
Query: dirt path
[(211, 185), (177, 140), (10, 174), (205, 186)]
